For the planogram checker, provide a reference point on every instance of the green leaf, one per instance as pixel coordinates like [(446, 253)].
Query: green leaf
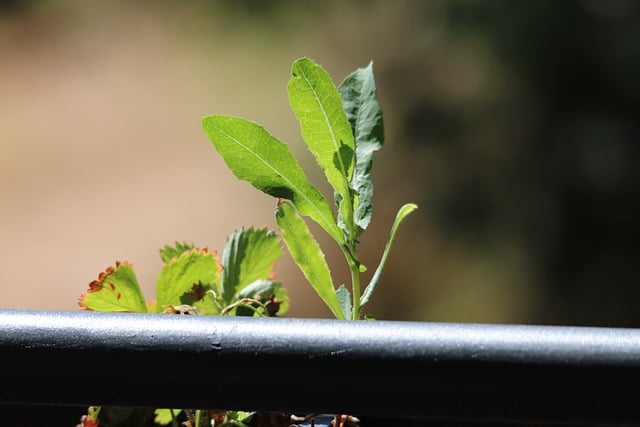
[(358, 93), (255, 156), (166, 416), (249, 255), (400, 216), (169, 252), (259, 288), (242, 416), (307, 254), (316, 103), (344, 299), (265, 290), (282, 297), (116, 289), (192, 269)]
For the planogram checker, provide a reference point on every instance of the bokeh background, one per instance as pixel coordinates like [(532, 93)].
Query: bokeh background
[(514, 126)]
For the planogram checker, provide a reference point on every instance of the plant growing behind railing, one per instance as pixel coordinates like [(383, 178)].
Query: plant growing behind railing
[(342, 127)]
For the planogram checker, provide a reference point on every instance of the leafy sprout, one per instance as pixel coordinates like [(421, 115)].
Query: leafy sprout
[(342, 127)]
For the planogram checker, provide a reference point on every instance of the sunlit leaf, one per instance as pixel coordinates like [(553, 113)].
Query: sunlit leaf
[(116, 289), (178, 277), (255, 156), (281, 297), (249, 255), (166, 416), (307, 254), (400, 216), (359, 98), (316, 103)]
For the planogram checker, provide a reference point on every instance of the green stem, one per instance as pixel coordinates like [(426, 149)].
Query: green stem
[(246, 302), (355, 288), (198, 417), (354, 268), (174, 419)]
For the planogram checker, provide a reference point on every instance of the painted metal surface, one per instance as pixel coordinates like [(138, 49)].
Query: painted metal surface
[(395, 370)]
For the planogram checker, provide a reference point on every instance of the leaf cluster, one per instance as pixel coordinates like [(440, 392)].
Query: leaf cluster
[(193, 281), (196, 280), (342, 127)]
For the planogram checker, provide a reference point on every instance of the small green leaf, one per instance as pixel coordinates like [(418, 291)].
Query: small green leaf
[(344, 298), (316, 103), (265, 290), (244, 416), (282, 297), (169, 252), (166, 416), (400, 216), (179, 276), (255, 156), (307, 254), (116, 289), (249, 255), (358, 93), (238, 419), (261, 287)]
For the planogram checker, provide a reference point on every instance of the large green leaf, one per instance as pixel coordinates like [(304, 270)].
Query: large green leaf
[(316, 103), (191, 271), (249, 255), (255, 156), (358, 93), (307, 254), (116, 289)]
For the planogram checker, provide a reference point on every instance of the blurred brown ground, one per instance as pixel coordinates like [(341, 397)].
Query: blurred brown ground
[(102, 153)]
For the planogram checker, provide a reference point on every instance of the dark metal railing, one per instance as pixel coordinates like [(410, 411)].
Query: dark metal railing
[(394, 370)]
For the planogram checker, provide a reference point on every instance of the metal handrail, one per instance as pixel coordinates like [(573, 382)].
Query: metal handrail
[(399, 370)]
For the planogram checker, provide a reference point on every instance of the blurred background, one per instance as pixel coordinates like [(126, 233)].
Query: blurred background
[(513, 125)]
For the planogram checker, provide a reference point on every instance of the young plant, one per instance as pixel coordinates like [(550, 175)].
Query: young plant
[(342, 127)]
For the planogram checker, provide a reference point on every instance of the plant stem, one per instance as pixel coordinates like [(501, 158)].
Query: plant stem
[(355, 287), (174, 419)]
